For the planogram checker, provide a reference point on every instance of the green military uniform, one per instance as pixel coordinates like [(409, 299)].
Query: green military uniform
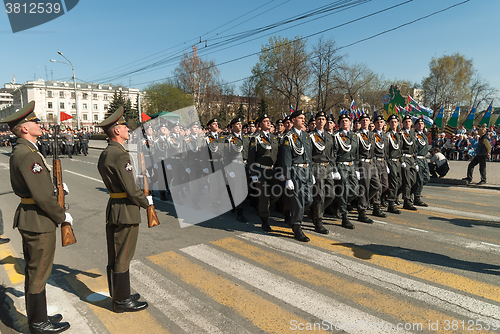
[(408, 169), (215, 144), (423, 173), (194, 157), (122, 217), (44, 143), (36, 218), (174, 164), (393, 162)]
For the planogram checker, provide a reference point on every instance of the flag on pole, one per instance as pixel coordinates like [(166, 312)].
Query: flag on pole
[(375, 115), (469, 122), (487, 115), (353, 105), (145, 117), (331, 113), (65, 117), (283, 115), (453, 122), (291, 109), (439, 118)]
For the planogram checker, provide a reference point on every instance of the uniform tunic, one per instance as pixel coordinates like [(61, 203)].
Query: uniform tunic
[(122, 214), (394, 164), (423, 174), (380, 161), (347, 158), (369, 177), (408, 173)]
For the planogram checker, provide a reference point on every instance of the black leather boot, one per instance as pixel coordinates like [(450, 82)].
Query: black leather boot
[(109, 271), (418, 202), (346, 223), (362, 217), (298, 234), (409, 206), (288, 218), (240, 217), (122, 301), (265, 224), (39, 322), (393, 209), (377, 212), (319, 227)]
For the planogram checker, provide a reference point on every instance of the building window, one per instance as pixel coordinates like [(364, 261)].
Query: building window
[(61, 105), (94, 96), (84, 117), (105, 107), (105, 96), (95, 106), (49, 105), (72, 95), (85, 96), (73, 106), (85, 106), (49, 93), (96, 117), (61, 94)]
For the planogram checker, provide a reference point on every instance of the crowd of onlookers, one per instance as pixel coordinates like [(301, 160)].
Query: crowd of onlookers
[(462, 144)]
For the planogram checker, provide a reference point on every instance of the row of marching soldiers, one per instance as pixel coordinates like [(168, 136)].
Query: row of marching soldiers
[(299, 171)]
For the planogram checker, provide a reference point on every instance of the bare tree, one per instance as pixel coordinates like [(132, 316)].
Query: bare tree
[(354, 80)]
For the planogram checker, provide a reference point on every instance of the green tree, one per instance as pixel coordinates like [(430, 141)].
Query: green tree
[(240, 113), (166, 96)]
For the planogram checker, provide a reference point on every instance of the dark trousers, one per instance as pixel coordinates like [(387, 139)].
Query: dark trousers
[(85, 148), (323, 189), (266, 189), (369, 183), (394, 179), (408, 178), (121, 242), (39, 250), (423, 176), (441, 171), (301, 197), (69, 148), (349, 186), (383, 178), (481, 160)]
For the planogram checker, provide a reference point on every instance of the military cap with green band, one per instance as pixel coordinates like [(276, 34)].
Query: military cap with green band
[(115, 118), (23, 115)]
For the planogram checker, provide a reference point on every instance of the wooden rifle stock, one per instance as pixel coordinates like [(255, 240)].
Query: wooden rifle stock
[(67, 235), (151, 213)]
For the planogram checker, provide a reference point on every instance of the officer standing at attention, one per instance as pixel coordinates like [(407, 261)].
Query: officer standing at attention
[(297, 158), (84, 141), (44, 143), (323, 167), (122, 213), (346, 155), (69, 139), (36, 217), (262, 156), (421, 150), (408, 168), (393, 162), (380, 162)]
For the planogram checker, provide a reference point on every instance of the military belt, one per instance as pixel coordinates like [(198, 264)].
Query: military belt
[(118, 195), (365, 160), (379, 159), (347, 163), (321, 163), (395, 160), (27, 201), (264, 166), (420, 157), (408, 155), (301, 165)]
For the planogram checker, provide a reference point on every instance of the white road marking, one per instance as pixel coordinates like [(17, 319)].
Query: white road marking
[(417, 229), (85, 176), (475, 215)]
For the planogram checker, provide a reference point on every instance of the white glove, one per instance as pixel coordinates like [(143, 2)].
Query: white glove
[(205, 170), (289, 185), (155, 166), (150, 200), (65, 188), (232, 175), (281, 178), (416, 166), (314, 179), (336, 176), (255, 178), (388, 170), (188, 170), (403, 164), (68, 218), (358, 175), (147, 173), (169, 167)]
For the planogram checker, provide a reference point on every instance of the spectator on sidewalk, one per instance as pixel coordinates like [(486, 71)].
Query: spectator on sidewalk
[(438, 166), (482, 154), (460, 147)]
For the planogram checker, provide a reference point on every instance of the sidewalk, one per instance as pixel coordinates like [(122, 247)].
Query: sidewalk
[(458, 170)]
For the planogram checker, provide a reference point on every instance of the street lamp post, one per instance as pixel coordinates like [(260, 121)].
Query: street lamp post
[(74, 83)]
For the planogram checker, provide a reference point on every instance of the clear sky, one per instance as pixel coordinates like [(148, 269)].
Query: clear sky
[(107, 40)]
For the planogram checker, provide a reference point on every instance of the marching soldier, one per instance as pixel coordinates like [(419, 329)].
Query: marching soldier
[(236, 151), (44, 143), (262, 155), (161, 147), (84, 141), (36, 217), (175, 167), (251, 128), (380, 162), (122, 212), (393, 162), (370, 179), (346, 156), (297, 171), (421, 150), (408, 169), (215, 143), (280, 129), (323, 167), (194, 156), (69, 140)]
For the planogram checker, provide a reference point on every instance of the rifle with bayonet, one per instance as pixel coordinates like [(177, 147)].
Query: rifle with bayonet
[(151, 213)]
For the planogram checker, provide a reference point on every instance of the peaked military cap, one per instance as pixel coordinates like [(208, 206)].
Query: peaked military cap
[(393, 116), (251, 122), (261, 118), (287, 118), (213, 120), (379, 118), (330, 119), (23, 115), (320, 114), (344, 116), (364, 115), (407, 116), (312, 119), (279, 121), (172, 124), (296, 114), (193, 124), (235, 120), (113, 119), (419, 120)]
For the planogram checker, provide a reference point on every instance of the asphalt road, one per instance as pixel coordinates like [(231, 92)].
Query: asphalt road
[(435, 270)]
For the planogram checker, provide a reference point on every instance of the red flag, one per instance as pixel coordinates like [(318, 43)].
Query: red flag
[(65, 116), (145, 117)]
